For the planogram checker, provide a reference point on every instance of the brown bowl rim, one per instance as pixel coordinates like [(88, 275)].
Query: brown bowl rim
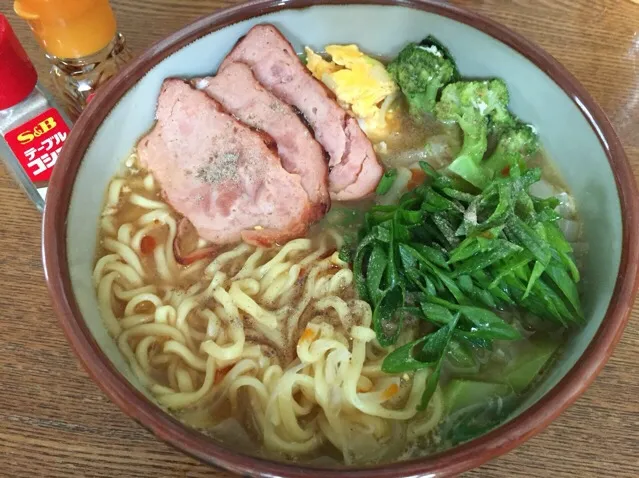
[(447, 463)]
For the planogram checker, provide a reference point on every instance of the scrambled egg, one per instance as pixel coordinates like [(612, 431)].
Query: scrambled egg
[(359, 82)]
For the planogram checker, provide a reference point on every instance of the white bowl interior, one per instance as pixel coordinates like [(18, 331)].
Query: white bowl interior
[(381, 30)]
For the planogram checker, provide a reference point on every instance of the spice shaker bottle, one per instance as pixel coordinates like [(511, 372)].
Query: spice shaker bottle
[(32, 128), (81, 43)]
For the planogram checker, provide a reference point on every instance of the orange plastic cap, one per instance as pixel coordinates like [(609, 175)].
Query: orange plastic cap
[(69, 28)]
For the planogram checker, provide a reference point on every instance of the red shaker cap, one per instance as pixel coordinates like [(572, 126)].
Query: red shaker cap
[(18, 75)]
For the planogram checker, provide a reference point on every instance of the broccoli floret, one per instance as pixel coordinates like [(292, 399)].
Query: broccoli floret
[(495, 94), (421, 71), (478, 107), (431, 42), (514, 146)]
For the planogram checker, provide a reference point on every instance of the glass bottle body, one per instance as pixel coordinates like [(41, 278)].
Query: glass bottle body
[(76, 80)]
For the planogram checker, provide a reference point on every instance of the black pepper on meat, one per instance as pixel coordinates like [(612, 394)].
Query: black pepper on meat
[(277, 107), (224, 169)]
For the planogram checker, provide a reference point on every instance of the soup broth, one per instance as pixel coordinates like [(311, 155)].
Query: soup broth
[(280, 351), (198, 336)]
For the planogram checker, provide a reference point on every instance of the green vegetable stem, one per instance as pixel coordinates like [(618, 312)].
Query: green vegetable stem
[(453, 258)]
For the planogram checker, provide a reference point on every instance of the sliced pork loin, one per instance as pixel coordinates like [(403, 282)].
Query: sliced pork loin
[(242, 95), (354, 169), (219, 173)]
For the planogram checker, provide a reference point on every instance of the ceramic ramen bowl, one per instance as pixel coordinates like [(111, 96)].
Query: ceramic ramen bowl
[(573, 129)]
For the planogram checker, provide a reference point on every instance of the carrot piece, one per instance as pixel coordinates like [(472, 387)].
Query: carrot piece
[(307, 336), (147, 244), (390, 391), (417, 178)]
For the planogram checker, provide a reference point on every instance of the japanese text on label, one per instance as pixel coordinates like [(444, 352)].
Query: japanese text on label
[(37, 144)]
